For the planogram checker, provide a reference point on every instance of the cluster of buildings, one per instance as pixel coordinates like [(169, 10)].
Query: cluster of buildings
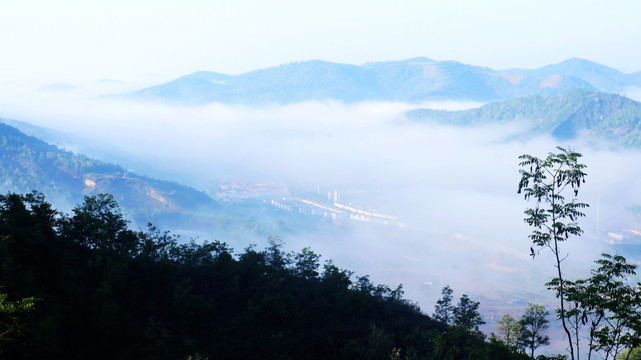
[(308, 204)]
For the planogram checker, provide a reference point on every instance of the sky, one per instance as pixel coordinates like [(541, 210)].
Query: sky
[(146, 42)]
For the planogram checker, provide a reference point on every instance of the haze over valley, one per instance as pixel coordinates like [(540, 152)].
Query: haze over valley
[(422, 198), (384, 137)]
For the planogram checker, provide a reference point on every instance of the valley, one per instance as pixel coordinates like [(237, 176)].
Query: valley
[(415, 180), (422, 197)]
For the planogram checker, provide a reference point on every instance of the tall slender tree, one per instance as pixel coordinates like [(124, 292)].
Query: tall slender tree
[(553, 218)]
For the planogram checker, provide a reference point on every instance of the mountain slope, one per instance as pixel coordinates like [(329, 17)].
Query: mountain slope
[(411, 80), (192, 88), (295, 82), (607, 116), (27, 163), (599, 76)]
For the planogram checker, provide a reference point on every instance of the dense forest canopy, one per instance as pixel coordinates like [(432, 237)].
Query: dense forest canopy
[(96, 289)]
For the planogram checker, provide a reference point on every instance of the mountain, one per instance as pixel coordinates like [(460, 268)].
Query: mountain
[(93, 148), (295, 82), (599, 76), (411, 80), (193, 88), (421, 78), (612, 117), (27, 163)]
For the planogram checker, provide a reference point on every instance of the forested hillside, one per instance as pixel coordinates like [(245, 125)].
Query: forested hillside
[(84, 286), (27, 163), (606, 116)]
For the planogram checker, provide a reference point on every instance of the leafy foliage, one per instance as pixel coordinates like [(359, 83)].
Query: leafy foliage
[(552, 218), (466, 314), (108, 292), (608, 306), (444, 309), (630, 354), (11, 323), (463, 337), (604, 308), (526, 334), (533, 325), (509, 330)]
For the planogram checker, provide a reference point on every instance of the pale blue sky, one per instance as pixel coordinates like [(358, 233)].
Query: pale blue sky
[(129, 40)]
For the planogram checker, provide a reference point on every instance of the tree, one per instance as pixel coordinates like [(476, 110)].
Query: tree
[(461, 335), (99, 224), (10, 322), (510, 330), (444, 309), (630, 354), (553, 218), (609, 306), (466, 314), (533, 325), (176, 300), (307, 263), (276, 258)]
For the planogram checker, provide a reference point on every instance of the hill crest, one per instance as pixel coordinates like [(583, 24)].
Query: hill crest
[(608, 116), (411, 80)]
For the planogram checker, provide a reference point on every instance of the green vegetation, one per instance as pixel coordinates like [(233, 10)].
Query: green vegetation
[(509, 330), (11, 323), (633, 354), (84, 285), (524, 335), (608, 306), (604, 309), (533, 325), (27, 163), (462, 336), (552, 218), (107, 292), (606, 116)]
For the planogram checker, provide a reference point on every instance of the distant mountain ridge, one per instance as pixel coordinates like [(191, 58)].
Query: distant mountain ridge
[(411, 80), (607, 116)]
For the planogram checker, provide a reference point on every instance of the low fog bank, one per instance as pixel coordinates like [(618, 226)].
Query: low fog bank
[(633, 92), (453, 189)]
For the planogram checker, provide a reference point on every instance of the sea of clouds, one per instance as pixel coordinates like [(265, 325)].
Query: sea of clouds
[(454, 189)]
